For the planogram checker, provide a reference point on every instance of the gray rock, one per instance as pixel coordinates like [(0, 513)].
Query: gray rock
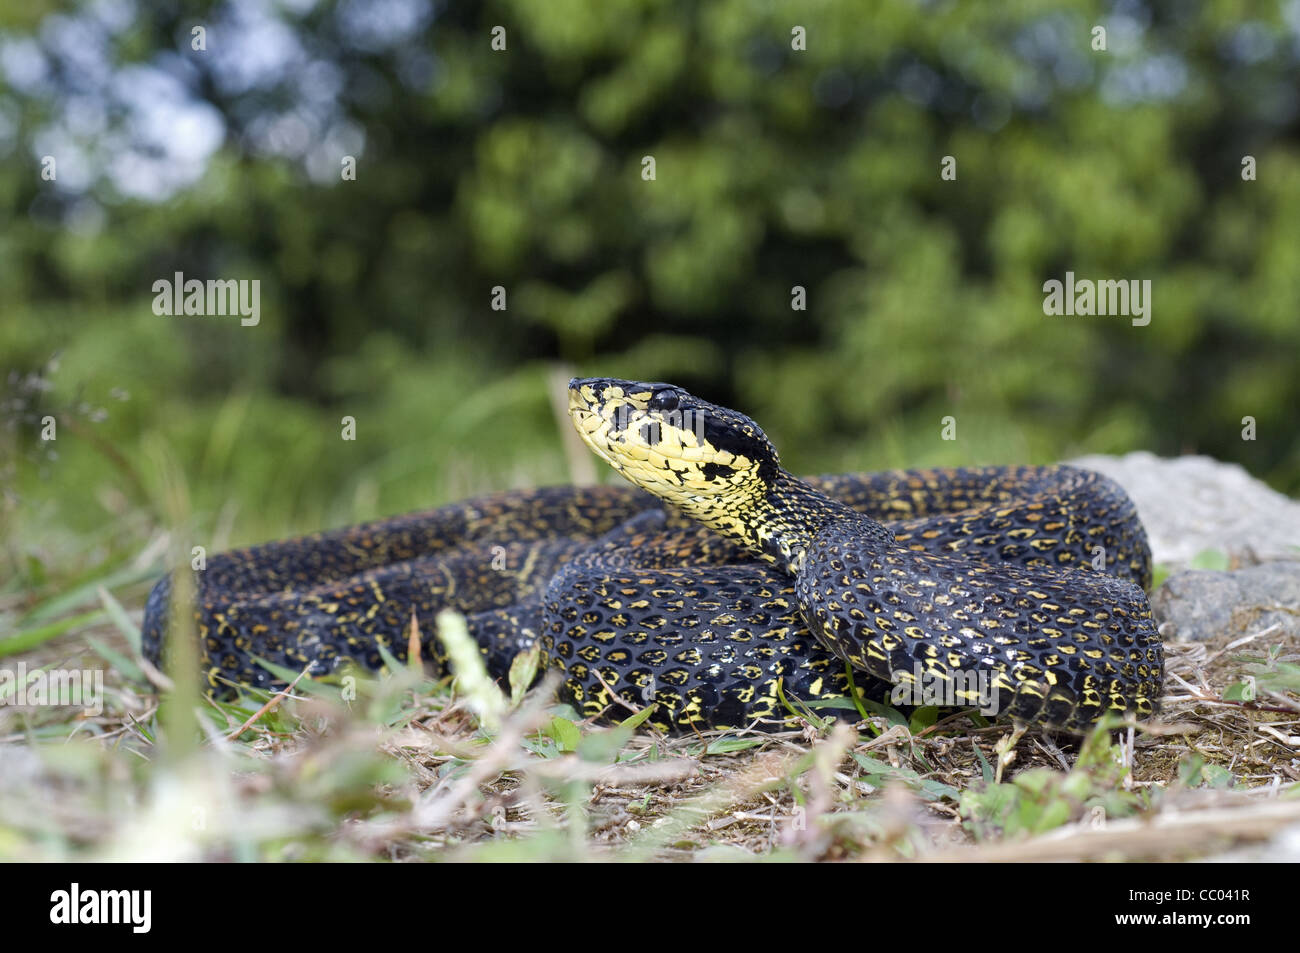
[(1192, 504), (1199, 604)]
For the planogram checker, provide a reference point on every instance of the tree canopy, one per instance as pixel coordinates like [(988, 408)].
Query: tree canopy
[(798, 152)]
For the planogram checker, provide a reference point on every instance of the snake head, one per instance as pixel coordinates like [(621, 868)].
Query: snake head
[(670, 442)]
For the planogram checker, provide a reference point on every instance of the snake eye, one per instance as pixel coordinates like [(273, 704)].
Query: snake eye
[(664, 400)]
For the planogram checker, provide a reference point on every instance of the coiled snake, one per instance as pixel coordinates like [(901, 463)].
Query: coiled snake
[(1015, 589)]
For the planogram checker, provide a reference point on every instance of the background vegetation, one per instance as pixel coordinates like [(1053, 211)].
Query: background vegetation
[(522, 168)]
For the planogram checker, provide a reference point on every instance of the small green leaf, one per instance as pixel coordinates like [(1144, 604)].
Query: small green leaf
[(1217, 776), (1240, 691), (880, 772), (605, 744), (1190, 770), (391, 661), (1078, 785), (892, 715), (564, 733), (833, 704), (523, 670), (985, 767), (637, 720), (922, 718), (1053, 814), (1035, 781), (802, 710)]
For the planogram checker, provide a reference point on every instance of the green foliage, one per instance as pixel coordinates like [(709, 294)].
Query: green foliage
[(775, 167), (1041, 799), (880, 773), (1267, 673), (1194, 770)]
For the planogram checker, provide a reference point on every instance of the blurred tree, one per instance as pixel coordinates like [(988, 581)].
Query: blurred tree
[(775, 167)]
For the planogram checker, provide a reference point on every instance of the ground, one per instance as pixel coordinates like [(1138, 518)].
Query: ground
[(405, 767)]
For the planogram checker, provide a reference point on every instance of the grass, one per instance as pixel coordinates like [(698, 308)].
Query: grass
[(408, 767)]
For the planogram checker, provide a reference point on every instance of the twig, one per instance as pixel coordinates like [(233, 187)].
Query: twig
[(413, 656), (619, 699), (1165, 834), (271, 703)]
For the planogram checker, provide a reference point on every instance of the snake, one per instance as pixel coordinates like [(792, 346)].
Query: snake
[(716, 588)]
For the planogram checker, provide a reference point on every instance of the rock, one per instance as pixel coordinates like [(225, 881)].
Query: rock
[(1193, 504), (1200, 603)]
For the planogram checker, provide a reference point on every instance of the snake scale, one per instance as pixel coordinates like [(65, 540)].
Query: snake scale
[(719, 586)]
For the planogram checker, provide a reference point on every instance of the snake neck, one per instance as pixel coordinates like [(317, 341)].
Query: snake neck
[(780, 518), (799, 516)]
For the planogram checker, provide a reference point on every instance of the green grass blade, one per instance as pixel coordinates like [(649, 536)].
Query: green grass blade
[(118, 615), (120, 662), (27, 639), (86, 593)]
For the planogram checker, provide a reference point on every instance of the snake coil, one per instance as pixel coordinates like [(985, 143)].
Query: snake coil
[(720, 583)]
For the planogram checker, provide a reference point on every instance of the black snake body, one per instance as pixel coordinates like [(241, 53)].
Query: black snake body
[(906, 577)]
